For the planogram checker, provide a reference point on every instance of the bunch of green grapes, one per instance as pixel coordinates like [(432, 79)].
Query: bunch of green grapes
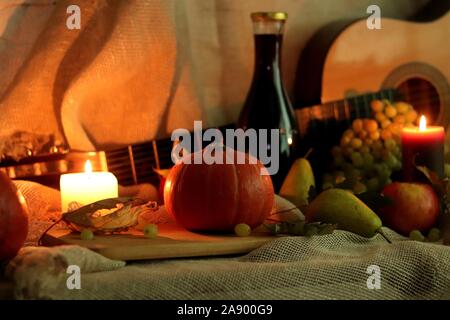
[(369, 151)]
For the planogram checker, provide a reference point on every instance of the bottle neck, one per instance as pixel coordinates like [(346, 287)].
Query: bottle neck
[(268, 53)]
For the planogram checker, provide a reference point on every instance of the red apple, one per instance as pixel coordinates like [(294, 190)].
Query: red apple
[(13, 219), (414, 206)]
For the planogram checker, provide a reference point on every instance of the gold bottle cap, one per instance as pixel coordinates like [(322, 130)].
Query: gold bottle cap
[(267, 16)]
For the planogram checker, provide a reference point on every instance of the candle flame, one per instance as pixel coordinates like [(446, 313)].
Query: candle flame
[(289, 141), (423, 123), (88, 166)]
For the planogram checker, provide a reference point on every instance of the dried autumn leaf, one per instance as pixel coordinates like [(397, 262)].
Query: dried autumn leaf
[(109, 215), (433, 178)]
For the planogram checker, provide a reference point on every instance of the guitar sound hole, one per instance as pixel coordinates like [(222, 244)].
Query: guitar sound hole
[(423, 96)]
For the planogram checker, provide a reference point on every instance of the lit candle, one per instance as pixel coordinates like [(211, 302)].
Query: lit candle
[(87, 187), (422, 146)]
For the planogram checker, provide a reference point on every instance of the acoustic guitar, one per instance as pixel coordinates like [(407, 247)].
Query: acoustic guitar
[(345, 62), (342, 68)]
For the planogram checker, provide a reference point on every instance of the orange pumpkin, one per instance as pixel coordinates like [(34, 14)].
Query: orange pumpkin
[(216, 197)]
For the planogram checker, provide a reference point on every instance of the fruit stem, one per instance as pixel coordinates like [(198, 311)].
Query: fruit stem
[(308, 153), (380, 232), (39, 242)]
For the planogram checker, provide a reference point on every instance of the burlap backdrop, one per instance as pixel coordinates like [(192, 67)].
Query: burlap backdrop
[(139, 68)]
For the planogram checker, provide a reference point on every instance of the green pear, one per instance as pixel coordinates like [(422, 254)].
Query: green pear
[(298, 182), (341, 207)]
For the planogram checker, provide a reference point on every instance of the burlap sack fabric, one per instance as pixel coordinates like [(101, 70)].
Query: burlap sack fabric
[(137, 70), (321, 267)]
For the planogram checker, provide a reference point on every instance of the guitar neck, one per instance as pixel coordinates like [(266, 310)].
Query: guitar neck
[(320, 126), (336, 116), (135, 163)]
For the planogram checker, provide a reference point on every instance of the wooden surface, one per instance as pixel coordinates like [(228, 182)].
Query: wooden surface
[(172, 242)]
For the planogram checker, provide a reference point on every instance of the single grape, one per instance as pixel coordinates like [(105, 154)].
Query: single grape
[(364, 149), (368, 141), (359, 187), (402, 107), (377, 145), (345, 141), (385, 123), (390, 144), (242, 230), (391, 162), (357, 159), (375, 135), (390, 111), (370, 125), (397, 151), (434, 235), (363, 134), (339, 179), (356, 143), (368, 160), (382, 170), (86, 234), (372, 184), (400, 119), (347, 151), (386, 134), (376, 154), (151, 231), (357, 125), (386, 155), (349, 133), (411, 116), (396, 128), (377, 105), (380, 117), (416, 235), (398, 164), (353, 173)]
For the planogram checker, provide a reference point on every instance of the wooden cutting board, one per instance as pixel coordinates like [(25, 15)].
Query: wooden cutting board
[(172, 242)]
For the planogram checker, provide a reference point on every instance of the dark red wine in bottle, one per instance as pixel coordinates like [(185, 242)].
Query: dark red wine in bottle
[(267, 105)]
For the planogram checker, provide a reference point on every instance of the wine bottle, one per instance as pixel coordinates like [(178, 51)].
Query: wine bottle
[(267, 105)]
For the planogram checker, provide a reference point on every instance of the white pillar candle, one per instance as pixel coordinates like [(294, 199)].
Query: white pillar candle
[(87, 187)]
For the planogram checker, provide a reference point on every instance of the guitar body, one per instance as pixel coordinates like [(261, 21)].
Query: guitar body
[(342, 68), (345, 65), (346, 58), (400, 55)]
